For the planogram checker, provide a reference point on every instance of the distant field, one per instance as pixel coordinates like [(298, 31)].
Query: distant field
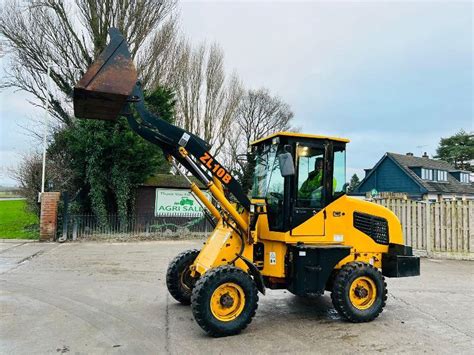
[(16, 222), (9, 194)]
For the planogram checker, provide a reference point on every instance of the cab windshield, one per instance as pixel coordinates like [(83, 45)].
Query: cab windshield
[(268, 184), (264, 160)]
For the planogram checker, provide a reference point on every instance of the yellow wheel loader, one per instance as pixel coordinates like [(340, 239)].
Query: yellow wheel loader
[(296, 231)]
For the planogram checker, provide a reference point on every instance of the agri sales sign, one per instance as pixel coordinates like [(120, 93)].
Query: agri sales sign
[(177, 203)]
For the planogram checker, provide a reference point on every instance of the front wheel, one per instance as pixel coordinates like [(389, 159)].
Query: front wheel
[(224, 301), (178, 277), (359, 292)]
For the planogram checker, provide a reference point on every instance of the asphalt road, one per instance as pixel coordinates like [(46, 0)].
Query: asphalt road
[(96, 298)]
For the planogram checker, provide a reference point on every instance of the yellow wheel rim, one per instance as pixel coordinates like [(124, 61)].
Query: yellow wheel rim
[(227, 301), (363, 292)]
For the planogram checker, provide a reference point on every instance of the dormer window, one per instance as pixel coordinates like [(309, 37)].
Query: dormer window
[(426, 174), (434, 174), (442, 175), (464, 177), (461, 176)]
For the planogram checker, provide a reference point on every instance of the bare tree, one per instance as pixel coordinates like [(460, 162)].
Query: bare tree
[(69, 35), (158, 62), (207, 100), (261, 114), (258, 115)]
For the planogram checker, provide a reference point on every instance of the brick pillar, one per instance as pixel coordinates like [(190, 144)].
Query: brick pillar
[(49, 215)]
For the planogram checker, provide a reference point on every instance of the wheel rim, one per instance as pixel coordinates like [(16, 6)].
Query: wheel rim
[(227, 301), (363, 292)]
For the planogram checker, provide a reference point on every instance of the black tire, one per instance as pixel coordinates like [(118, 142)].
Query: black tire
[(179, 282), (341, 293), (203, 294)]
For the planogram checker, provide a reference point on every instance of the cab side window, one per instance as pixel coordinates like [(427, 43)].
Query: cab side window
[(310, 176), (339, 170)]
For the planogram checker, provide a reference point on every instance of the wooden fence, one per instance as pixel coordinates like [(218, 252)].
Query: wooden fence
[(439, 229)]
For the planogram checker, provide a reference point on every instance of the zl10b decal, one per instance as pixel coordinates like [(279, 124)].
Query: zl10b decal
[(215, 168)]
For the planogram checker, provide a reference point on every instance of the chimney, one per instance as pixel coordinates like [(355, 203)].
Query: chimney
[(367, 172), (425, 156), (410, 154)]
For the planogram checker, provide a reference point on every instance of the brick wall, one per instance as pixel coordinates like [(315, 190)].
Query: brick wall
[(49, 215)]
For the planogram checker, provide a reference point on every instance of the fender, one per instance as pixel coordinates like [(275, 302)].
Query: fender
[(257, 276)]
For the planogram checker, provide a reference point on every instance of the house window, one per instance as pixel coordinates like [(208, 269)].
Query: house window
[(427, 174), (442, 175), (465, 177)]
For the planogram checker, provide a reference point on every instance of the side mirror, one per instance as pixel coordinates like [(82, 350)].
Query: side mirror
[(287, 167), (345, 186)]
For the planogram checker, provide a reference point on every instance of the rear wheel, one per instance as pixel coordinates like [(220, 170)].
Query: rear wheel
[(359, 292), (224, 301), (179, 281)]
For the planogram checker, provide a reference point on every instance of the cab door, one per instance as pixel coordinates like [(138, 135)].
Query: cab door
[(310, 192)]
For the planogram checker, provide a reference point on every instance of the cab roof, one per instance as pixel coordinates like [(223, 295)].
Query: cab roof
[(299, 135)]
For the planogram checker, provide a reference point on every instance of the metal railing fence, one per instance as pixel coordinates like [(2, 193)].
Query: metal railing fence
[(87, 226)]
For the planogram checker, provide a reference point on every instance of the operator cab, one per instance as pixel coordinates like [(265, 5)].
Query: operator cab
[(297, 175)]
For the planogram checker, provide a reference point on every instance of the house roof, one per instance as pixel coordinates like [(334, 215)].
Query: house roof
[(171, 181), (412, 161), (407, 162)]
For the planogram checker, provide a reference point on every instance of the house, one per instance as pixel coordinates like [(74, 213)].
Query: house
[(419, 178)]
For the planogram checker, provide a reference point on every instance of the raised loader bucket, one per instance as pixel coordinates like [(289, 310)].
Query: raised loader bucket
[(103, 90)]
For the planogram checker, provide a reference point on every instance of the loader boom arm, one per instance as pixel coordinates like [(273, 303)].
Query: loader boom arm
[(171, 138)]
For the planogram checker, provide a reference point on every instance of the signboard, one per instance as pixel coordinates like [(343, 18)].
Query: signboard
[(177, 203)]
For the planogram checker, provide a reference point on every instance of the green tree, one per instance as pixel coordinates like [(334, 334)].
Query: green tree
[(108, 160), (457, 150), (355, 181)]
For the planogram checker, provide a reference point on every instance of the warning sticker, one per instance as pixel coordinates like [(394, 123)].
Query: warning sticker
[(273, 258), (184, 139)]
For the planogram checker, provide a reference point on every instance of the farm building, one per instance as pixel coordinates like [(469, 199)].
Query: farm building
[(164, 195)]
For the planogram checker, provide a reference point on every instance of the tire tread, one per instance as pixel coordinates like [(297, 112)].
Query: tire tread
[(172, 278), (198, 300), (339, 298)]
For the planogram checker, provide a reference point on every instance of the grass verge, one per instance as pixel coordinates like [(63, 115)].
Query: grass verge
[(16, 222)]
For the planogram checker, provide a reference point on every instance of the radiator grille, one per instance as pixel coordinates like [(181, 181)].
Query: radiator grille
[(375, 227)]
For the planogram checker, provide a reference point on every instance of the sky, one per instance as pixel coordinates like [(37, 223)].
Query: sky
[(392, 76)]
